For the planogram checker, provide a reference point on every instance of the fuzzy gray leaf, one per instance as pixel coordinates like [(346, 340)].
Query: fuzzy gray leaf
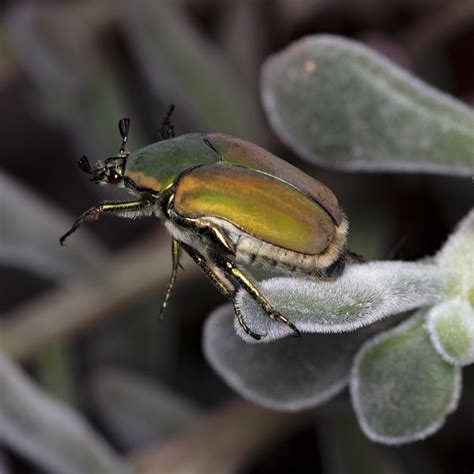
[(47, 431), (290, 374), (364, 294), (451, 328), (401, 389), (456, 259), (338, 103)]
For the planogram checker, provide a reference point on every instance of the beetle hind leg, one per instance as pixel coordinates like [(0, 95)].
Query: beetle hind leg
[(244, 325), (223, 284), (252, 289), (283, 319)]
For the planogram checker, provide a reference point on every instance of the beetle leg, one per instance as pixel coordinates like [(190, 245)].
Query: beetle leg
[(222, 239), (175, 254), (252, 289), (242, 322), (122, 209), (223, 284)]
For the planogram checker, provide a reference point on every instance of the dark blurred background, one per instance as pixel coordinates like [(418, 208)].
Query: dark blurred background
[(70, 70)]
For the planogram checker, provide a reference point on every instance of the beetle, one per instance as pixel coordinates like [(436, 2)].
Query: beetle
[(227, 203)]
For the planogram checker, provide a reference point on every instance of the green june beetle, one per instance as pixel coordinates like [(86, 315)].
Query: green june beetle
[(227, 203)]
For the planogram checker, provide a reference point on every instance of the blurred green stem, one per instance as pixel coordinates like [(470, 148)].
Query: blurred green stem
[(53, 364), (137, 274), (223, 442), (345, 450)]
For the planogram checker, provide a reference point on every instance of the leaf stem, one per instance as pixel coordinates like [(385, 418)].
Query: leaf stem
[(62, 313), (221, 442)]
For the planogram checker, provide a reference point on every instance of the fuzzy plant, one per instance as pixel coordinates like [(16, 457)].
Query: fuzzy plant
[(339, 104)]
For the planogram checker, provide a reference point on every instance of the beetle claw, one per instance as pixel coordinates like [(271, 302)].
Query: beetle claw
[(255, 335), (244, 326), (252, 334), (296, 331), (283, 319)]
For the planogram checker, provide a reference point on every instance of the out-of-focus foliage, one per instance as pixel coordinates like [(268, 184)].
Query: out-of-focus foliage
[(340, 104), (46, 431), (179, 63), (139, 411), (28, 236), (68, 72), (58, 48)]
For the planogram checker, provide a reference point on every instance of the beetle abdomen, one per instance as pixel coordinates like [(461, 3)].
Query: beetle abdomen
[(253, 251), (260, 205)]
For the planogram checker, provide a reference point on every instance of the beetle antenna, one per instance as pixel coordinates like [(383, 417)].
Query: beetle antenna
[(167, 128), (85, 165), (124, 127)]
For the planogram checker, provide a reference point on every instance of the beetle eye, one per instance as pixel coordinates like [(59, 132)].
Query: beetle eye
[(113, 177)]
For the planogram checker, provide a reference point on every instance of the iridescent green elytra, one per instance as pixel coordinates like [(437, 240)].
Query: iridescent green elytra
[(227, 203)]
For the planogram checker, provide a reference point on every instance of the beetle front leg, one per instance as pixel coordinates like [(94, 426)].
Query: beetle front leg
[(252, 289), (122, 209), (175, 254), (223, 284)]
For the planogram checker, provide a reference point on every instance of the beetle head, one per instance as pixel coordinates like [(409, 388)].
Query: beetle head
[(109, 172), (112, 170)]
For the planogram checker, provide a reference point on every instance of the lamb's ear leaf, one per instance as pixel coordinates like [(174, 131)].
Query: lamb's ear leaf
[(47, 431), (451, 328), (364, 294), (340, 104), (401, 389), (291, 374), (455, 260)]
